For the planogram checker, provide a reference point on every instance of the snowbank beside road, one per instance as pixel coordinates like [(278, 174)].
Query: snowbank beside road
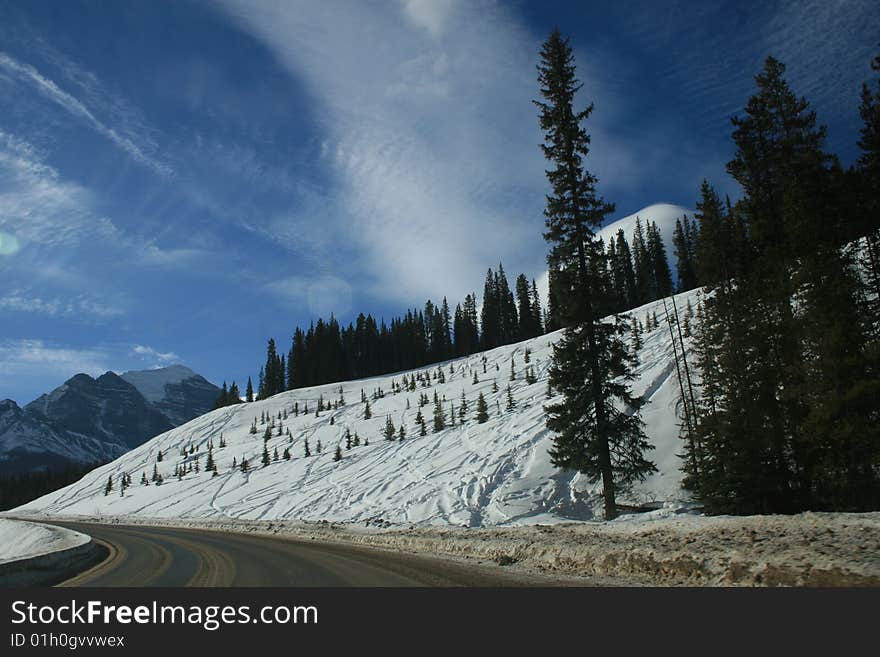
[(660, 549), (41, 555), (24, 540)]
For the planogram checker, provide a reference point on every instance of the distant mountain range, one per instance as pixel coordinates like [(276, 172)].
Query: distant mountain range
[(88, 420)]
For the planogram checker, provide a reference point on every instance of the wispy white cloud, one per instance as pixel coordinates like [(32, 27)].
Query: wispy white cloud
[(432, 15), (79, 308), (39, 207), (432, 143), (28, 364), (50, 90), (150, 354)]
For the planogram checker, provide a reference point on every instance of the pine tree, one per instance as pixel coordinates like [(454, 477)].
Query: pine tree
[(683, 240), (511, 404), (439, 416), (234, 394), (401, 434), (337, 456), (537, 313), (591, 362), (249, 391), (109, 486), (868, 192), (784, 421), (482, 409), (389, 428), (660, 275), (367, 412)]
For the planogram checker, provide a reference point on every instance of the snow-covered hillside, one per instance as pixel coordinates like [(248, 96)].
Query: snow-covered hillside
[(663, 214), (471, 474)]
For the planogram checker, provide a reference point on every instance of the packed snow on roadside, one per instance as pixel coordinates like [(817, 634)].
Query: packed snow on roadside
[(470, 474), (23, 540)]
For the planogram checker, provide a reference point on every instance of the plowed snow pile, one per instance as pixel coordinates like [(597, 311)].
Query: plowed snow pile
[(22, 540)]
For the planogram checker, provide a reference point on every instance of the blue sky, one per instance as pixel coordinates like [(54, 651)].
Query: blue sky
[(181, 180)]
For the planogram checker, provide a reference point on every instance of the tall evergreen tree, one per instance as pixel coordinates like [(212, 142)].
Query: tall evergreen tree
[(537, 313), (527, 328), (683, 240), (590, 362), (868, 189), (660, 275), (785, 421), (624, 275)]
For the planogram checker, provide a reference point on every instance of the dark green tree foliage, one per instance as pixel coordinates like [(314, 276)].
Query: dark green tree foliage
[(229, 396), (623, 274), (389, 428), (537, 313), (867, 191), (591, 363), (223, 398), (641, 266), (684, 240), (788, 418), (439, 416), (273, 375), (720, 248), (553, 316), (18, 489), (249, 393), (482, 409), (465, 327), (660, 275), (529, 315)]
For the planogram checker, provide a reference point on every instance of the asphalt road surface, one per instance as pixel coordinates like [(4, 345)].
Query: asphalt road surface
[(165, 556)]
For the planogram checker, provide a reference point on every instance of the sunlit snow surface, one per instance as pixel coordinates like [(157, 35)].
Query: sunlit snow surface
[(20, 540), (474, 474)]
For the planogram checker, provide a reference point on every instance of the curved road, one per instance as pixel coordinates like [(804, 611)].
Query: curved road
[(165, 556)]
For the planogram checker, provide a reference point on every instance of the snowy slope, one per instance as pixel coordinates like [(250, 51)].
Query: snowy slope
[(476, 474), (175, 391), (151, 383), (662, 214), (28, 441), (22, 540)]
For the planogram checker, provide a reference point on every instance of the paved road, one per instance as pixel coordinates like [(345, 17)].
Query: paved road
[(163, 556)]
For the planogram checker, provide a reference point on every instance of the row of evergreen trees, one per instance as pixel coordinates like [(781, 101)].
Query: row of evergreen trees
[(789, 340), (328, 352)]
